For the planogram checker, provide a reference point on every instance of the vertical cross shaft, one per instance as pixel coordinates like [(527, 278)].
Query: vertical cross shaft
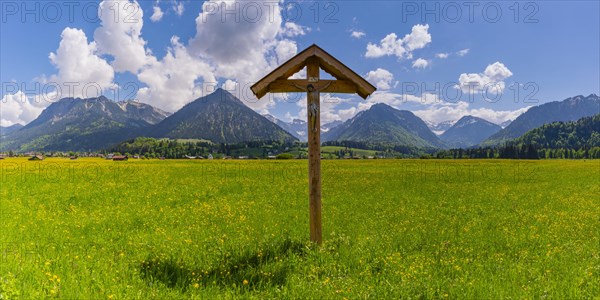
[(314, 151)]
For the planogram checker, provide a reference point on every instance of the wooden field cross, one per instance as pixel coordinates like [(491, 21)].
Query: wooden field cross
[(347, 81)]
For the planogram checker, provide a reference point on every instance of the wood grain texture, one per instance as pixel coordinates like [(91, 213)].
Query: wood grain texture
[(323, 86), (314, 154)]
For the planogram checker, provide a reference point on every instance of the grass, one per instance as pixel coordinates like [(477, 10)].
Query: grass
[(153, 229)]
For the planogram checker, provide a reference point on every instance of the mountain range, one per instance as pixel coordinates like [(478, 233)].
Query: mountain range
[(220, 118), (570, 109), (74, 124), (98, 123), (296, 127), (383, 124), (441, 127), (468, 131)]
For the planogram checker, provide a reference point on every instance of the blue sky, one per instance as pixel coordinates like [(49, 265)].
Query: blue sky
[(499, 57)]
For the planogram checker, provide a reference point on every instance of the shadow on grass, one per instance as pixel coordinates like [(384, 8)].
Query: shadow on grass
[(257, 269)]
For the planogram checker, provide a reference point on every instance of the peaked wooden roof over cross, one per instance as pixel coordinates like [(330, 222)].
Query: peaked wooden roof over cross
[(347, 80)]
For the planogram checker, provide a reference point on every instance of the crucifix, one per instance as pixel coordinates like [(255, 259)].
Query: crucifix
[(346, 81)]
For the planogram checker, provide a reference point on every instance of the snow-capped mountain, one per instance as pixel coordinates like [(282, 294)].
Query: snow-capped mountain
[(505, 123), (441, 127)]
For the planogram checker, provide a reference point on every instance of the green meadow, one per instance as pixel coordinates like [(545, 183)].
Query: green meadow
[(151, 229)]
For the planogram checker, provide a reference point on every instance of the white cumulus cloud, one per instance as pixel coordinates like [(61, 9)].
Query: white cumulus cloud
[(285, 50), (463, 52), (291, 29), (396, 99), (18, 108), (230, 85), (78, 64), (157, 14), (401, 47), (357, 34), (420, 63), (243, 50), (455, 111), (238, 49), (120, 34), (175, 80), (382, 78), (490, 81), (178, 8)]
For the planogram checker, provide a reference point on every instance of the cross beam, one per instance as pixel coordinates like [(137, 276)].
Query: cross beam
[(302, 85)]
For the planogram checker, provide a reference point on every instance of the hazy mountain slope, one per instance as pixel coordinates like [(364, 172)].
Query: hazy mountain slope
[(584, 132), (570, 109), (9, 129), (469, 131)]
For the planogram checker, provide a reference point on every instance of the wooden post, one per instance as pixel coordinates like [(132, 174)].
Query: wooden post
[(314, 149)]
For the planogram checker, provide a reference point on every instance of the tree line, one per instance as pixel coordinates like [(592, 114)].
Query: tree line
[(523, 151), (173, 149)]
